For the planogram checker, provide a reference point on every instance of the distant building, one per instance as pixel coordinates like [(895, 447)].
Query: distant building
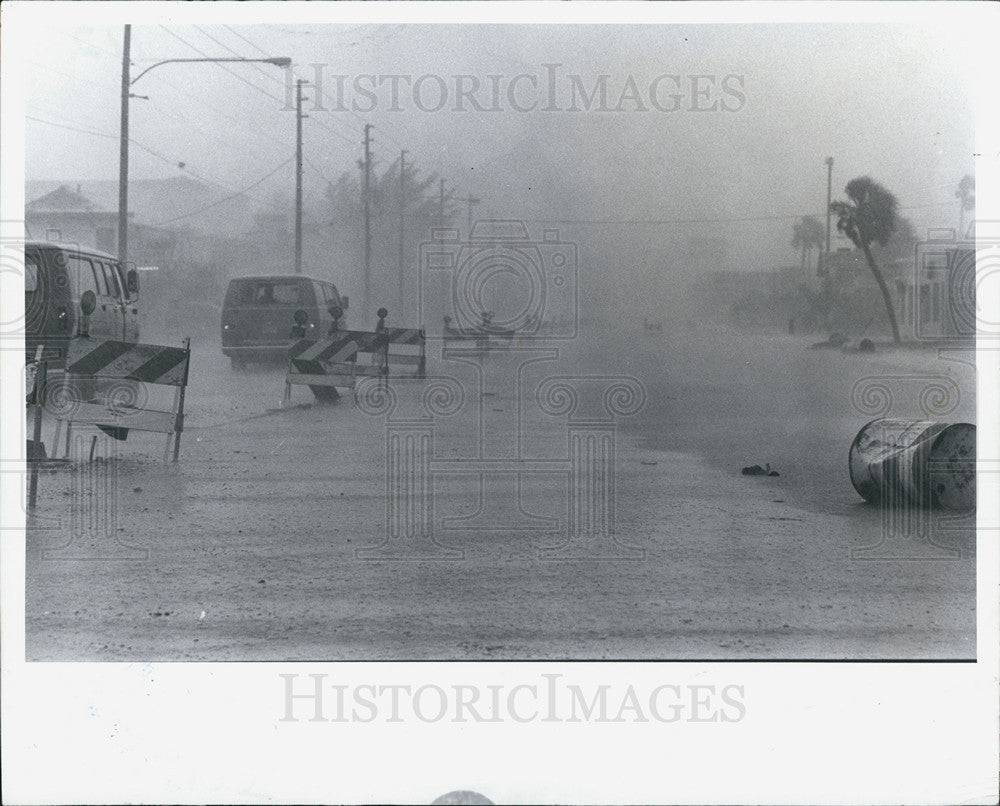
[(70, 217), (185, 269)]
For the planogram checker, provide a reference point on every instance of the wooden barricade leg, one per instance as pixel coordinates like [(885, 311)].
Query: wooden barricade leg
[(179, 407), (37, 397), (170, 436)]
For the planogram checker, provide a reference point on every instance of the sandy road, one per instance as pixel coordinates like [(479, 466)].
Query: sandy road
[(248, 548)]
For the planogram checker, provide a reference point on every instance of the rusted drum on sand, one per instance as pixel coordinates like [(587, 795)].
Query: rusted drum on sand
[(916, 462)]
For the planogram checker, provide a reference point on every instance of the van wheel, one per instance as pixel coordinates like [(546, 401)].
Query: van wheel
[(237, 364)]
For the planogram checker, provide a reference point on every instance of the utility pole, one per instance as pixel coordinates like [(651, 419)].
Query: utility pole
[(470, 200), (441, 205), (368, 223), (829, 190), (298, 175), (402, 222), (123, 150)]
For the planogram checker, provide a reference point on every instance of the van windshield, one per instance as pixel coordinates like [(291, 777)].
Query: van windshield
[(271, 292)]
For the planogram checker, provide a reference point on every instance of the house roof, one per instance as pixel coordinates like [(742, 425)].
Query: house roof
[(164, 202), (62, 200)]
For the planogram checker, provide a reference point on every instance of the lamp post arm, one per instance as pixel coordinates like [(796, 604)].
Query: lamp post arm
[(277, 61)]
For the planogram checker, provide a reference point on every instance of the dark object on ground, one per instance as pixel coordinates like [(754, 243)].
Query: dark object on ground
[(915, 463), (757, 470), (866, 346), (36, 451), (835, 340)]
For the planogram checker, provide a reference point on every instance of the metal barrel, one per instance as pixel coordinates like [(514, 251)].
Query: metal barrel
[(915, 462)]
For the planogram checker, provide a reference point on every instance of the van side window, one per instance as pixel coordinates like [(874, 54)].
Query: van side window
[(83, 271), (119, 273), (110, 278), (30, 276)]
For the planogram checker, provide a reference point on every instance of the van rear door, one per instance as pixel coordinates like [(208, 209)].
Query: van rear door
[(115, 297), (85, 276), (129, 302), (261, 311)]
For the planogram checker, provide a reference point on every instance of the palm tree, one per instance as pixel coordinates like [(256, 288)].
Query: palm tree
[(966, 195), (869, 217), (806, 234)]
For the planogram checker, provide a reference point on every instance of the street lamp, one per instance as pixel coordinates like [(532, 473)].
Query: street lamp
[(277, 61)]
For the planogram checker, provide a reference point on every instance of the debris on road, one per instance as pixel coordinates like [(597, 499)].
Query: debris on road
[(835, 340), (757, 470)]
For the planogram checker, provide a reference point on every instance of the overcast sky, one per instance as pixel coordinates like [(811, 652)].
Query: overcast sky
[(773, 101)]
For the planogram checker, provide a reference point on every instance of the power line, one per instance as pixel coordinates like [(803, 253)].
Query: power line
[(227, 198), (323, 94), (71, 128), (144, 147), (58, 30), (671, 221), (259, 89), (318, 171)]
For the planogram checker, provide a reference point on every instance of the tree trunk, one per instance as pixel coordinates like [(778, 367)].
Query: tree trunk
[(886, 298)]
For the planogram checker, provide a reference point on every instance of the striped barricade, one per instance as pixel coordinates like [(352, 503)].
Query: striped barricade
[(106, 384), (347, 355), (406, 347), (457, 340), (479, 341)]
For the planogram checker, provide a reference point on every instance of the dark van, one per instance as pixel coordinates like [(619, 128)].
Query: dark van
[(72, 291), (258, 314)]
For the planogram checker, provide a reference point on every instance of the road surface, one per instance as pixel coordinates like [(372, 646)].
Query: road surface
[(269, 541)]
